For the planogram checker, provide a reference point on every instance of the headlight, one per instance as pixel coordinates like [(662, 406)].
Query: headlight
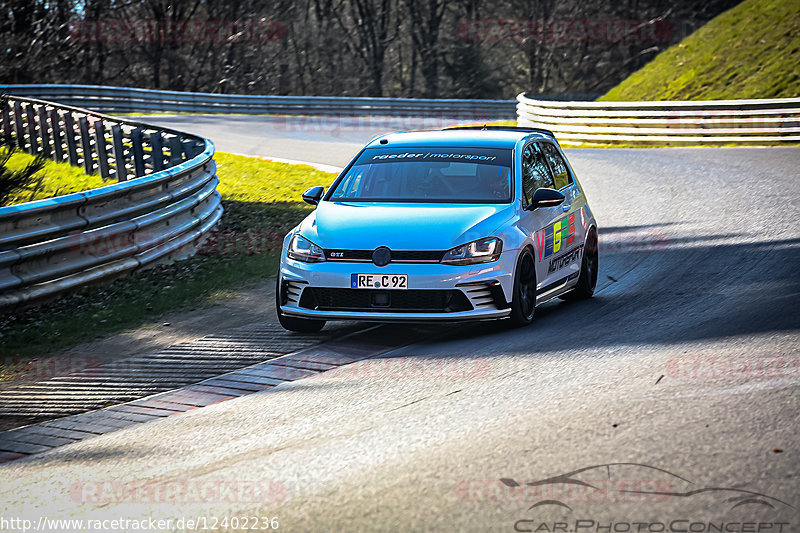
[(301, 249), (480, 251)]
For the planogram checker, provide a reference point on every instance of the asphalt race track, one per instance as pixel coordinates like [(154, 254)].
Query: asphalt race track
[(324, 140), (682, 373)]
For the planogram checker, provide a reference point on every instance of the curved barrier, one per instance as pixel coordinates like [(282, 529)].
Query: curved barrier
[(129, 100), (709, 121), (164, 201)]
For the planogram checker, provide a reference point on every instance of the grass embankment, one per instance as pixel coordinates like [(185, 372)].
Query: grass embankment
[(750, 51), (56, 179), (262, 202)]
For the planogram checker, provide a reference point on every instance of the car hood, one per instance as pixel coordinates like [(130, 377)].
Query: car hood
[(365, 226)]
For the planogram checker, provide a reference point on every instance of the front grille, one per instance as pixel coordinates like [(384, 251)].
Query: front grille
[(408, 301), (398, 256)]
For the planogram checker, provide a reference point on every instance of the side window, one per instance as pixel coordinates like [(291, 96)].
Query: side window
[(352, 182), (558, 165), (535, 173)]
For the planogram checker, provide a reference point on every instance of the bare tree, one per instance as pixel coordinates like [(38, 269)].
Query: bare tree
[(334, 47), (464, 59), (370, 36), (34, 39), (425, 17)]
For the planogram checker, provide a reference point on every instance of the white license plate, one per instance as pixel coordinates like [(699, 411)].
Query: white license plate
[(379, 281)]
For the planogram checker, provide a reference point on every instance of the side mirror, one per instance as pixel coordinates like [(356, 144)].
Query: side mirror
[(314, 194), (545, 197)]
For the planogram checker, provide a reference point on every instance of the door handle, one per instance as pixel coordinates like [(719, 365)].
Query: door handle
[(565, 207)]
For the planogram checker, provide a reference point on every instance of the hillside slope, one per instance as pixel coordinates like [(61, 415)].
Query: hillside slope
[(750, 51)]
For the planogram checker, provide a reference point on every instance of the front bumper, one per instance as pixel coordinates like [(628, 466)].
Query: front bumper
[(436, 292)]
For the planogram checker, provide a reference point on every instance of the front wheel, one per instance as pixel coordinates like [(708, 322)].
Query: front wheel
[(587, 281), (523, 303), (294, 323)]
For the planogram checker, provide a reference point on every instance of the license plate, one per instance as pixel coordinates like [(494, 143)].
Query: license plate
[(379, 281)]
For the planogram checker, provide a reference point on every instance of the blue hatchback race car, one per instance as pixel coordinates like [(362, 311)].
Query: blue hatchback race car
[(460, 224)]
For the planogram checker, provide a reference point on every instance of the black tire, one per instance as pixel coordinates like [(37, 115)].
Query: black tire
[(523, 302), (587, 281), (294, 323)]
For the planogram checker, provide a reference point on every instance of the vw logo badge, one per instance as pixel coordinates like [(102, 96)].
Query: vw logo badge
[(382, 256)]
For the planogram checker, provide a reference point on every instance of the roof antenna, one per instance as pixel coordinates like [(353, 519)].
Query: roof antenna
[(484, 126)]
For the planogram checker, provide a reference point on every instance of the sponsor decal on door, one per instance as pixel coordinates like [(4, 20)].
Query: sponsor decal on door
[(557, 237)]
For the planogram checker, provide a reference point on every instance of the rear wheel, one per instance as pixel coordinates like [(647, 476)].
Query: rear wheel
[(294, 323), (587, 281), (523, 303)]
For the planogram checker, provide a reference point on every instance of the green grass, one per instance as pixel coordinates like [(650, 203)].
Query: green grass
[(262, 202), (253, 179), (56, 179), (750, 51)]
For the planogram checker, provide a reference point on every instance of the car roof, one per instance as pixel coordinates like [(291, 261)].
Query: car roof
[(471, 136)]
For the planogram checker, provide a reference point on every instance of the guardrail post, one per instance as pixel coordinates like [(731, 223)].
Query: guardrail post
[(156, 151), (6, 122), (175, 151), (138, 152), (55, 126), (86, 145), (189, 149), (43, 129), (100, 148), (120, 171), (69, 132), (30, 114), (19, 125)]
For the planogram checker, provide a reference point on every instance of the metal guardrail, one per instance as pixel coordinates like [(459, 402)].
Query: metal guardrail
[(709, 121), (164, 200), (129, 100)]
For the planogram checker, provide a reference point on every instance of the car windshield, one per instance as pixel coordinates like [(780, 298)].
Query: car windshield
[(440, 175)]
